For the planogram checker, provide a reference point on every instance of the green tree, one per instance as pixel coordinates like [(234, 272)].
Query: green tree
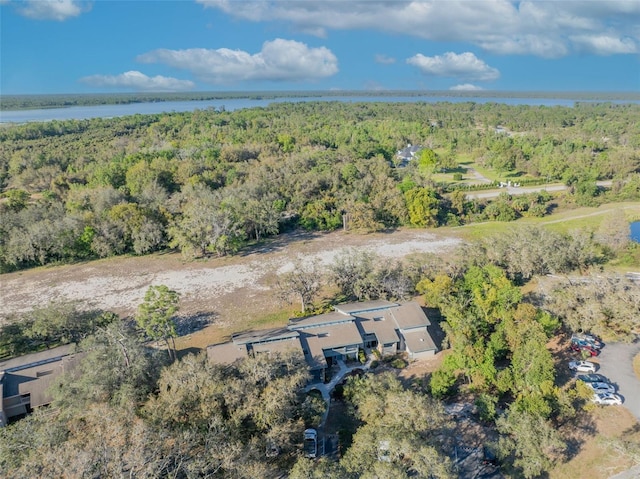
[(353, 271), (533, 442), (303, 282), (321, 469), (606, 305), (116, 368), (427, 161), (397, 437), (204, 224), (17, 199), (49, 326), (286, 142), (155, 316), (423, 207), (614, 231)]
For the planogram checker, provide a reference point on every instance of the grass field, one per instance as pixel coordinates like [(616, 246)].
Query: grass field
[(595, 449), (566, 221)]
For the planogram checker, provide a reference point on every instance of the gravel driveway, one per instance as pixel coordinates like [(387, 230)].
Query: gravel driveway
[(616, 364)]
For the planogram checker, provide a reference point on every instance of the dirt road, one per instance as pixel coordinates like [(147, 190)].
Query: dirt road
[(518, 190)]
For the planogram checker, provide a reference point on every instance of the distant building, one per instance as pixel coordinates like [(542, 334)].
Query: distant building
[(24, 380), (386, 326), (407, 154)]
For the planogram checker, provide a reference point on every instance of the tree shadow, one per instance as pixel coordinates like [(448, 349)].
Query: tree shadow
[(279, 242), (181, 353), (584, 427), (458, 169), (515, 174), (434, 329), (191, 323)]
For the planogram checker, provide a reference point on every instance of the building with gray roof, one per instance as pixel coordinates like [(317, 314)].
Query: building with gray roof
[(383, 325), (25, 380)]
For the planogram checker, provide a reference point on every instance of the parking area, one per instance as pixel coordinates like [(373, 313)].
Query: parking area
[(616, 364)]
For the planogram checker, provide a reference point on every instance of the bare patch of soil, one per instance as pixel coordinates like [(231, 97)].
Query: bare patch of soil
[(231, 293), (596, 456), (419, 371)]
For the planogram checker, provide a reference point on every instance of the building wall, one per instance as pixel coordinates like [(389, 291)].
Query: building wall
[(389, 348), (422, 354)]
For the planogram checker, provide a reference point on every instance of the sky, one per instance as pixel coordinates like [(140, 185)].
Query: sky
[(69, 46)]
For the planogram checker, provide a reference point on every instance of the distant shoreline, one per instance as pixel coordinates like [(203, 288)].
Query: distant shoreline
[(51, 101)]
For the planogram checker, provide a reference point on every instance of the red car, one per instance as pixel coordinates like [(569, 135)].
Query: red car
[(585, 347)]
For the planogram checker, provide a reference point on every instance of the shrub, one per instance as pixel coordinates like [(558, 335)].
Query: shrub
[(486, 405), (313, 407), (361, 356), (457, 177), (442, 382), (398, 363)]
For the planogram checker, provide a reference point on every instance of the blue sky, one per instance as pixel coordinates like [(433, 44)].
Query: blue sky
[(68, 46)]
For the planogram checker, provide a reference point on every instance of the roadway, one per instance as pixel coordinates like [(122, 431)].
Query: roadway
[(523, 190)]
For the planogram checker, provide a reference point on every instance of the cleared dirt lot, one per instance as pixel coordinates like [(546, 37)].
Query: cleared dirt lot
[(229, 292)]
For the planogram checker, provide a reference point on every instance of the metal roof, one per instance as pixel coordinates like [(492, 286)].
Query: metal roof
[(419, 340), (226, 353), (364, 306), (410, 315), (28, 360)]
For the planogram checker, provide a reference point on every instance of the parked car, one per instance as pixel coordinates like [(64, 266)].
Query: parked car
[(585, 347), (585, 343), (600, 388), (589, 339), (592, 378), (310, 443), (582, 366), (607, 399)]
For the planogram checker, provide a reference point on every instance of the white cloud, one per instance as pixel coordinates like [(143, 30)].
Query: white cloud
[(551, 28), (464, 65), (279, 60), (525, 45), (139, 81), (605, 45), (384, 59), (52, 9), (466, 87)]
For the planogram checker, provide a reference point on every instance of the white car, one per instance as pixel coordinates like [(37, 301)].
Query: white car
[(607, 399), (582, 366), (601, 388)]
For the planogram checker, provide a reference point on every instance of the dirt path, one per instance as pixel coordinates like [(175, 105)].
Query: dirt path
[(230, 290), (478, 176), (595, 213)]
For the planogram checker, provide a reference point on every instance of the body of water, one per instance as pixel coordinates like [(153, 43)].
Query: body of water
[(111, 111), (635, 231)]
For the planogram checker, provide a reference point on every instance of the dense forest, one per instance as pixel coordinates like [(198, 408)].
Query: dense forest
[(208, 182)]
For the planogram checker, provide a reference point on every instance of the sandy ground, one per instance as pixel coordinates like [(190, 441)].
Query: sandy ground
[(229, 290)]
